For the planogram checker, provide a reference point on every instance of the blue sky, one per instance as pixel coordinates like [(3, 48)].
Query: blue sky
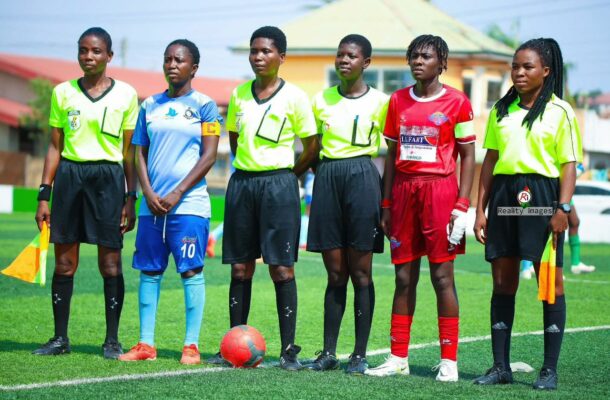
[(50, 28)]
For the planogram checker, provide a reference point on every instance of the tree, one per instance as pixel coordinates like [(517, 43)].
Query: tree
[(511, 39), (37, 122)]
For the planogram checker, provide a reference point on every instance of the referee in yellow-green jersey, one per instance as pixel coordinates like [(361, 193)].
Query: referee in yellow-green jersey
[(262, 201), (89, 169), (527, 180), (345, 210)]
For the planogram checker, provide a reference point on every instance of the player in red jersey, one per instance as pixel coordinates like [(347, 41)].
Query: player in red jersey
[(424, 210)]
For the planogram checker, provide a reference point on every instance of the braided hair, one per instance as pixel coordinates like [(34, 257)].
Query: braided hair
[(436, 42), (550, 54)]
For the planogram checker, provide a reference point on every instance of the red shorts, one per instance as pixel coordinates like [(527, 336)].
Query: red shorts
[(421, 210)]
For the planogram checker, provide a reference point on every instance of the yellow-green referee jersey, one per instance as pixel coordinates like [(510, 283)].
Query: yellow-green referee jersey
[(267, 128), (93, 128), (553, 140), (350, 127)]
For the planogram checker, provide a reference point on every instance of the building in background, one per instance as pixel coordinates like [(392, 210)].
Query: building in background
[(21, 157)]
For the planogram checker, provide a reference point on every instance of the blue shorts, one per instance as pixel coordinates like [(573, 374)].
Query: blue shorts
[(185, 236)]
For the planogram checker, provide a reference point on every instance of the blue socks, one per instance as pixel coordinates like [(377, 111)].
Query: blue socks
[(194, 300), (150, 286)]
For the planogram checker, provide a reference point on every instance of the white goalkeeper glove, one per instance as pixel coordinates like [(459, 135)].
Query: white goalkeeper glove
[(456, 234)]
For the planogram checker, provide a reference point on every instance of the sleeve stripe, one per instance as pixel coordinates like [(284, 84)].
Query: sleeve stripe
[(572, 133), (464, 129), (467, 139), (389, 138)]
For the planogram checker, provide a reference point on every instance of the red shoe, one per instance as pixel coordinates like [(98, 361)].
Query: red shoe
[(190, 355), (140, 352), (209, 251)]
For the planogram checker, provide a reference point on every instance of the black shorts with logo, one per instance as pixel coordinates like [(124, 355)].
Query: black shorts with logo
[(88, 198), (345, 209), (262, 216), (523, 236)]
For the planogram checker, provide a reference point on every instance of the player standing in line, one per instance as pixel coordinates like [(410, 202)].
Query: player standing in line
[(92, 120), (424, 210), (263, 118), (177, 139), (533, 144), (345, 210)]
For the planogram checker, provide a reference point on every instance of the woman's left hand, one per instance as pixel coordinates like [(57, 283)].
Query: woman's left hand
[(169, 201), (558, 225)]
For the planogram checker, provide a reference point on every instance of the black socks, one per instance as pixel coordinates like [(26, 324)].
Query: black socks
[(114, 294), (240, 293), (61, 295), (502, 316)]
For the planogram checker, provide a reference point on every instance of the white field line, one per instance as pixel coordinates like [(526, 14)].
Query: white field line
[(165, 374)]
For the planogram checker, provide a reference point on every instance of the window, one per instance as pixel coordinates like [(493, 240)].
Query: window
[(387, 80), (394, 79), (494, 88), (467, 84)]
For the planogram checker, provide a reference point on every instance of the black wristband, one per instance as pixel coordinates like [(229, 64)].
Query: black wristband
[(44, 192), (131, 193)]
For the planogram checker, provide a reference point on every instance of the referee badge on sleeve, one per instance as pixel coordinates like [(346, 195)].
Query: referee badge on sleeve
[(210, 129)]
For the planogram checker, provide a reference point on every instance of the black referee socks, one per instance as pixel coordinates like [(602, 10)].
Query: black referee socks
[(502, 316), (240, 293), (286, 301), (61, 295), (364, 304), (114, 294), (334, 308), (554, 316)]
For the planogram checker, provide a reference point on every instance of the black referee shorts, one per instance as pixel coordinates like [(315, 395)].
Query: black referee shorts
[(262, 216), (523, 236), (88, 198), (345, 210)]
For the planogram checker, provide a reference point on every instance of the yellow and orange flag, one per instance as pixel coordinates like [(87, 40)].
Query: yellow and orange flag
[(546, 275), (31, 264)]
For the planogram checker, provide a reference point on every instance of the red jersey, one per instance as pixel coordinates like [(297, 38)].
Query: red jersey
[(427, 129)]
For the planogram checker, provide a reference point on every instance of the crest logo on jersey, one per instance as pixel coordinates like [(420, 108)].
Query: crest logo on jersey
[(438, 118), (189, 114), (524, 197), (171, 113), (238, 117), (74, 119)]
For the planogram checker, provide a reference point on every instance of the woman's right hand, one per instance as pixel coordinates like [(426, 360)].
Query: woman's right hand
[(43, 214), (480, 227), (385, 221), (154, 203)]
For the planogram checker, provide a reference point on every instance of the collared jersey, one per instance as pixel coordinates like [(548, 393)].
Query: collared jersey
[(427, 130), (350, 127), (93, 128), (553, 140), (267, 128), (172, 129)]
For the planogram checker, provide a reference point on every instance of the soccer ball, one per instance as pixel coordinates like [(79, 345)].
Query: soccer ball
[(243, 346)]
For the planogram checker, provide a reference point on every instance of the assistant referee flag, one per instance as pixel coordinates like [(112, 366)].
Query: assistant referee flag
[(546, 275), (30, 265)]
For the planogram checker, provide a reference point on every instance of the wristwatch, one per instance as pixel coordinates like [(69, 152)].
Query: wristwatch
[(131, 193), (565, 207)]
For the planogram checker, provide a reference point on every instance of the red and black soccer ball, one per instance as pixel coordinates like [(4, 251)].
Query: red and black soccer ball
[(243, 346)]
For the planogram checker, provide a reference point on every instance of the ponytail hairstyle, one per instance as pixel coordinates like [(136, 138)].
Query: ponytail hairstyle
[(550, 55)]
